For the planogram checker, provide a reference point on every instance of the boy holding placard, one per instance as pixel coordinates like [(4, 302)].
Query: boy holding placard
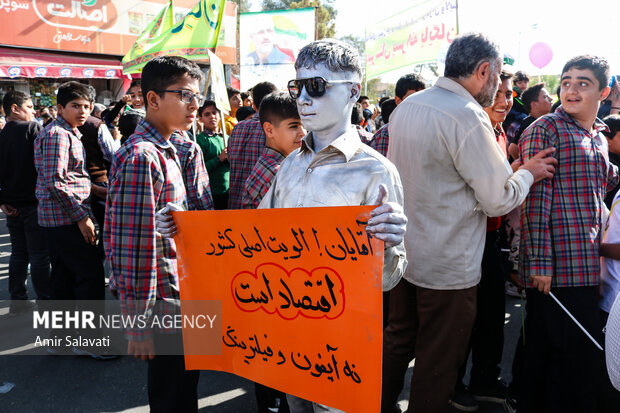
[(332, 167), (146, 175)]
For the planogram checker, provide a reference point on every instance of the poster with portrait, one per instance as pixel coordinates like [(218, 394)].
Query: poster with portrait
[(270, 42)]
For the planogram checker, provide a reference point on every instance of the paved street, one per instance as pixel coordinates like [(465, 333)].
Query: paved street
[(79, 384)]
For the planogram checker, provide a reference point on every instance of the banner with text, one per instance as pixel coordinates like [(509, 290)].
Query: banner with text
[(301, 298), (85, 26), (420, 34), (269, 43), (191, 37)]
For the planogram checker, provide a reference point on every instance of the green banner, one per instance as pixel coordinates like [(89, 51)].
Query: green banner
[(191, 38), (160, 24), (419, 34)]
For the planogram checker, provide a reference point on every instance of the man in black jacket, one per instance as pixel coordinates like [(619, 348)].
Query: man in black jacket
[(18, 179)]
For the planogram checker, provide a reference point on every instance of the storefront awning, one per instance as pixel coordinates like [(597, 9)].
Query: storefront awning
[(30, 63)]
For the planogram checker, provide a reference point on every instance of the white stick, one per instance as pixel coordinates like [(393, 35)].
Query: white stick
[(576, 322)]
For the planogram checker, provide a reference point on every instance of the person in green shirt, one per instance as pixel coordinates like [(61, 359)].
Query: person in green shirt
[(214, 150)]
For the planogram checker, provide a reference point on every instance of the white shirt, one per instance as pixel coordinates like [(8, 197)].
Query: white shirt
[(454, 174), (610, 272), (345, 173)]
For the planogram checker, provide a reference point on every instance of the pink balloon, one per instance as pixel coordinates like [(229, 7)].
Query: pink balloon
[(540, 54)]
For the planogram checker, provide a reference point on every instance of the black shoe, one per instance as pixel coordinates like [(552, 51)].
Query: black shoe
[(463, 400), (496, 393), (510, 405), (20, 306)]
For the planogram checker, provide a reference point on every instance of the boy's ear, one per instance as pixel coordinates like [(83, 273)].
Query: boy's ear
[(153, 99), (605, 93), (268, 128), (356, 91)]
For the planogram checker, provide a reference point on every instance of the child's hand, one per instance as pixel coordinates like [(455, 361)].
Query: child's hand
[(223, 155)]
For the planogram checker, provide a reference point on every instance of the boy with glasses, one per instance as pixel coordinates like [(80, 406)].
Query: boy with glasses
[(146, 175)]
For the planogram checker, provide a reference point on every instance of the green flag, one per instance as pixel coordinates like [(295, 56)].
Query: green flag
[(191, 38), (160, 24)]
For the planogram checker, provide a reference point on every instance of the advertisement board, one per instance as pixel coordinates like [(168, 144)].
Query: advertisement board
[(85, 26)]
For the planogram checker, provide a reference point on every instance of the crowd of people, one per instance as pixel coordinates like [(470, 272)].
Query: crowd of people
[(482, 188)]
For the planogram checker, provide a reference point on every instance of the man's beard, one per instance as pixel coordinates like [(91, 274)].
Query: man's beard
[(486, 96)]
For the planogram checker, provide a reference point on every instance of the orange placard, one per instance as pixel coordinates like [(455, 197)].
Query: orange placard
[(301, 298)]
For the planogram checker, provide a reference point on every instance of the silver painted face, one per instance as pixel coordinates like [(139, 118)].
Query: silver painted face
[(330, 111)]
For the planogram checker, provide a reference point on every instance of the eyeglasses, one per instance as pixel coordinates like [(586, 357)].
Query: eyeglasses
[(315, 86), (186, 95)]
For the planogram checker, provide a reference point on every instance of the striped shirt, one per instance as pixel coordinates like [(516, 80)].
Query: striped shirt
[(260, 179), (145, 176), (245, 145), (63, 185), (380, 140), (561, 219)]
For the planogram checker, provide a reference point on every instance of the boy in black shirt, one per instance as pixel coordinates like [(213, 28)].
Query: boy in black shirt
[(18, 178)]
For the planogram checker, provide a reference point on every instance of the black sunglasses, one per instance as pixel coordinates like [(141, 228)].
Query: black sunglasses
[(315, 86)]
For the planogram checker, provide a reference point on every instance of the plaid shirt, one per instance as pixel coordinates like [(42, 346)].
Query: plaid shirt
[(245, 145), (364, 135), (63, 185), (561, 221), (145, 176), (380, 140), (195, 175), (261, 177)]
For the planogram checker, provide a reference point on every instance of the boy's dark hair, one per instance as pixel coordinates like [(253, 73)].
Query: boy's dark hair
[(383, 99), (104, 115), (411, 81), (387, 108), (357, 115), (362, 98), (73, 90), (128, 122), (244, 112), (521, 76), (613, 123), (206, 105), (260, 90), (231, 91), (134, 83), (276, 107), (504, 75), (163, 71), (244, 96), (531, 94), (13, 97), (598, 65)]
